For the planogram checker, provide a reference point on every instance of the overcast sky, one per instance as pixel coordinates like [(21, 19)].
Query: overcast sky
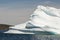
[(18, 11)]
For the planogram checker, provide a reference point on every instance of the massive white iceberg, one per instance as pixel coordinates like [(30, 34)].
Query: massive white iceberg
[(45, 19)]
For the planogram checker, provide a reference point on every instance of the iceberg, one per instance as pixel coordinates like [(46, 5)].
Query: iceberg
[(44, 20)]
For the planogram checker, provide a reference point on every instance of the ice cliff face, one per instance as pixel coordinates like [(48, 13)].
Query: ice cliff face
[(44, 18), (47, 18)]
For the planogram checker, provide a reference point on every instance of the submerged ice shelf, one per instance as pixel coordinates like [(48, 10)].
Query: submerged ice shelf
[(45, 19)]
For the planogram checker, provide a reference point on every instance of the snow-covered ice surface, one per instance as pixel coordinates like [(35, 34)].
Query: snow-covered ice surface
[(45, 19)]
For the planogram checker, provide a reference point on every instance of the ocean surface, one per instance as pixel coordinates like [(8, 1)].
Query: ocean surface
[(28, 37)]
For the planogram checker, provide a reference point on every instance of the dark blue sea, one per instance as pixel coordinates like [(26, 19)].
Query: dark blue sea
[(28, 37)]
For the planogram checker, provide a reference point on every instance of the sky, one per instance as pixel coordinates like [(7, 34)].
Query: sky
[(18, 11)]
